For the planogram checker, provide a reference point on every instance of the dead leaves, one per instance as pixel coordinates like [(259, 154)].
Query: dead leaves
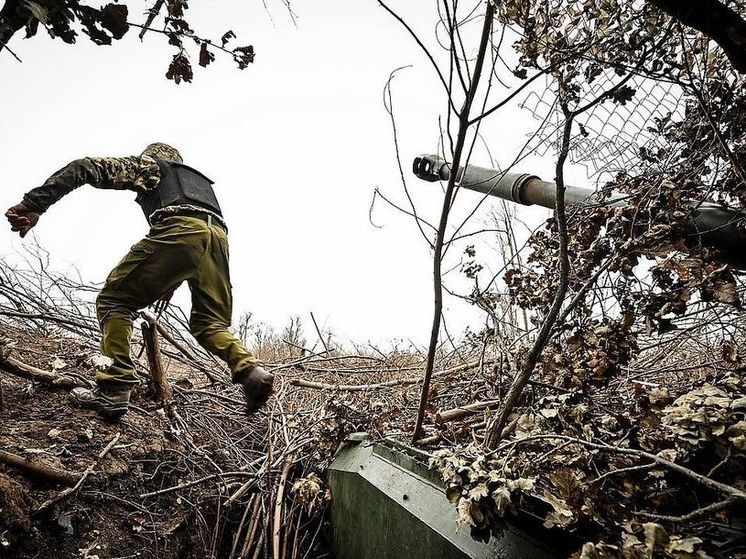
[(180, 69), (701, 416), (311, 493), (650, 541), (482, 493), (110, 22)]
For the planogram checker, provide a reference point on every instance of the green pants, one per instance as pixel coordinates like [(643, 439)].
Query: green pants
[(177, 249)]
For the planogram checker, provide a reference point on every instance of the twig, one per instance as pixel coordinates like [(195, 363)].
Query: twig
[(458, 153), (13, 54), (251, 533), (196, 482), (354, 387), (289, 461), (318, 331), (152, 14), (494, 431), (622, 471), (720, 464), (709, 509)]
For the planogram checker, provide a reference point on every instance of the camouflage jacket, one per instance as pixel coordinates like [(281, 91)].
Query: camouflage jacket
[(137, 173)]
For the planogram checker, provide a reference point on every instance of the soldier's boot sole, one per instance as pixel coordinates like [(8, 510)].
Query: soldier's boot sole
[(99, 402)]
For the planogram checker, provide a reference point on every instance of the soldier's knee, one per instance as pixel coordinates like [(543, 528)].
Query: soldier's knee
[(201, 332), (103, 306), (109, 304), (208, 334)]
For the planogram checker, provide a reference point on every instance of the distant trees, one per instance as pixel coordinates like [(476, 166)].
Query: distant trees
[(67, 19)]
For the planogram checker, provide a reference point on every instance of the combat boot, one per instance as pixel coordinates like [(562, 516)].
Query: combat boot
[(257, 388), (110, 402)]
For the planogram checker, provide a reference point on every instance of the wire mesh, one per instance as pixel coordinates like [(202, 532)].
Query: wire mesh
[(610, 135)]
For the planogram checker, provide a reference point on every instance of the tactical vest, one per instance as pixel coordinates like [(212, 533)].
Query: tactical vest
[(180, 185)]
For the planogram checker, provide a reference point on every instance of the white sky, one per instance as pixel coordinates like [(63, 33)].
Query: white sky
[(296, 144)]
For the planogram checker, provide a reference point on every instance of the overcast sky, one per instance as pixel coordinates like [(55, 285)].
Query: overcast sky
[(296, 144)]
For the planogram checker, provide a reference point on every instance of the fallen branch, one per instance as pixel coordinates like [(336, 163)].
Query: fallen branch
[(162, 392), (195, 482), (464, 411), (49, 473), (70, 490), (21, 369)]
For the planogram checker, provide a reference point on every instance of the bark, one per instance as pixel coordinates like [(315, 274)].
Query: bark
[(714, 19)]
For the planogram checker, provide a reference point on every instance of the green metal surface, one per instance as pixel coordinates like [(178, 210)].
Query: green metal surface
[(386, 504)]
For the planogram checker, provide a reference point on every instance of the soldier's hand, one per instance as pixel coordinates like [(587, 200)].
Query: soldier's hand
[(22, 218)]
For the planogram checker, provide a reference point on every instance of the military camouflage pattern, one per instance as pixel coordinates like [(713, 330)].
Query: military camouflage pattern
[(163, 151), (138, 173)]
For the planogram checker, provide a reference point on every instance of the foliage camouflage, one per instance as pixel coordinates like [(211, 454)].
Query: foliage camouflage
[(632, 276)]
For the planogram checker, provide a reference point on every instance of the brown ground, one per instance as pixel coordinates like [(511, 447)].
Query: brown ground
[(106, 518)]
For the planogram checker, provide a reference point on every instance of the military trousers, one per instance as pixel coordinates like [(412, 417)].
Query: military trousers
[(177, 249)]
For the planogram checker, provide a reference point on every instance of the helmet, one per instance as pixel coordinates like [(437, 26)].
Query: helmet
[(163, 151)]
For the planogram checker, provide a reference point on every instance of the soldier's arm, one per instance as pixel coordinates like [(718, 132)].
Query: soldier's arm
[(120, 173)]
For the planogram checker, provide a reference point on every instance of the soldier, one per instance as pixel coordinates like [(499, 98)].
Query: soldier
[(187, 241)]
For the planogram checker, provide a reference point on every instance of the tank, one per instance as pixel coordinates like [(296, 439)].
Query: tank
[(711, 225), (387, 504)]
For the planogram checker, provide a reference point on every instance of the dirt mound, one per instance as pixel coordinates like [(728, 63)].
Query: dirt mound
[(185, 480), (38, 424)]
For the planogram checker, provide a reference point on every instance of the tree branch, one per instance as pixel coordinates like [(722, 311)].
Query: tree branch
[(716, 21), (447, 201)]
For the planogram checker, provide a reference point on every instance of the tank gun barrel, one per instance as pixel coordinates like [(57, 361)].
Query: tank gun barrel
[(711, 225)]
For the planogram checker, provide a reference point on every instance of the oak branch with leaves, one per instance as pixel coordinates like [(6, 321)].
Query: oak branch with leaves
[(67, 19)]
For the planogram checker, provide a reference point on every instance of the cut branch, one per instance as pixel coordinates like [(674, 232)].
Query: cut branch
[(454, 414), (161, 388), (18, 368), (36, 469)]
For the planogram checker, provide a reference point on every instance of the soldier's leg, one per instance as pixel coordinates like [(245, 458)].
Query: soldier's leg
[(154, 266), (212, 307)]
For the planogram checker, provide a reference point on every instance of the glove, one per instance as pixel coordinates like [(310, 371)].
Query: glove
[(22, 218)]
